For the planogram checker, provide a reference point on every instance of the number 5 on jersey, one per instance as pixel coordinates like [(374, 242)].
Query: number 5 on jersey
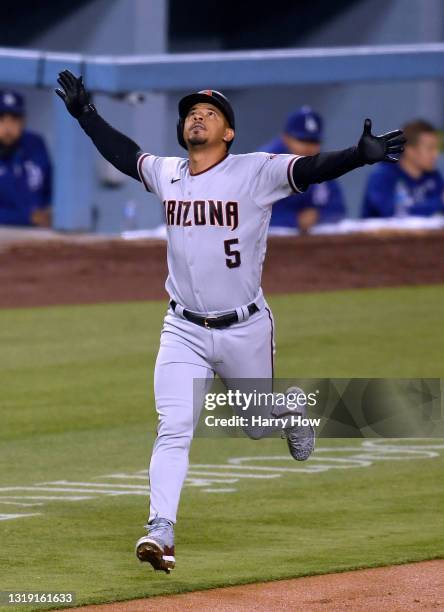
[(233, 256)]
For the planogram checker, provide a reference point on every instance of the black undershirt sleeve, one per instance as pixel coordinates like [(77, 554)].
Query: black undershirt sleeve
[(123, 153), (325, 166), (118, 149)]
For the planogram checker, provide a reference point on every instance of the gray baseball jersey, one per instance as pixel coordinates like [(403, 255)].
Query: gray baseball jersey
[(217, 222)]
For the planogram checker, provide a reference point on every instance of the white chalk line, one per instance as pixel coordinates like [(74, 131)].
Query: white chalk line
[(213, 477)]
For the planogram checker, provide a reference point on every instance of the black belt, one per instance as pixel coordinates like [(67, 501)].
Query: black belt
[(214, 322)]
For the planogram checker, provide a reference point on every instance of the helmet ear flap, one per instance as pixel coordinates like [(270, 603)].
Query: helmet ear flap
[(180, 138)]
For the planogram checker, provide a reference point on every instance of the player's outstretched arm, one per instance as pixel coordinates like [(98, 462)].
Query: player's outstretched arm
[(118, 149), (369, 150)]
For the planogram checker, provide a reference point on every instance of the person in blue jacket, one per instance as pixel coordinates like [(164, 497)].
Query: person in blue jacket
[(25, 168), (413, 186), (320, 203)]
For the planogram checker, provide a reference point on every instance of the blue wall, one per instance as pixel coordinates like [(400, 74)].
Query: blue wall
[(111, 27), (261, 111), (140, 26)]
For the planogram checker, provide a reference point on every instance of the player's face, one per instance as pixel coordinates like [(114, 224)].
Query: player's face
[(206, 125), (11, 128), (425, 152), (301, 147)]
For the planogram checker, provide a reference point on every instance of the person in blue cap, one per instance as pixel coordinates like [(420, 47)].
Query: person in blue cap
[(25, 168), (321, 202), (414, 187)]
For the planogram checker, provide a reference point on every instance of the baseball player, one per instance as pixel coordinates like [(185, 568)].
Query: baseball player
[(320, 203), (217, 210), (415, 186), (25, 167)]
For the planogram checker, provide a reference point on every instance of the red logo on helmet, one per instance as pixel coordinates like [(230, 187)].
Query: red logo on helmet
[(207, 92)]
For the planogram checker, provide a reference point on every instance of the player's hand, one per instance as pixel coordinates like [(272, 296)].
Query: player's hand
[(73, 93), (374, 149)]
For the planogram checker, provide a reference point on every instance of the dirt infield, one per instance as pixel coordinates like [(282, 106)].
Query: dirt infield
[(46, 273), (399, 588)]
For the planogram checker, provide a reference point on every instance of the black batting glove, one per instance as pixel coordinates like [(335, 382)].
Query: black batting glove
[(372, 149), (73, 94)]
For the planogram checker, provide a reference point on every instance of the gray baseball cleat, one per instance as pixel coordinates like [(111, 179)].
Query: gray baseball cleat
[(300, 438), (157, 547)]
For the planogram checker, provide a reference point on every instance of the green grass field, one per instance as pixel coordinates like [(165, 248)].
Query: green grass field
[(77, 405)]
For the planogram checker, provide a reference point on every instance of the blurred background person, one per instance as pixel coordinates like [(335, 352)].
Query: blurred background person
[(414, 186), (25, 167), (321, 203)]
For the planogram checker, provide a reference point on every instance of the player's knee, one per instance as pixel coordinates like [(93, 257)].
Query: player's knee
[(172, 440), (176, 425)]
